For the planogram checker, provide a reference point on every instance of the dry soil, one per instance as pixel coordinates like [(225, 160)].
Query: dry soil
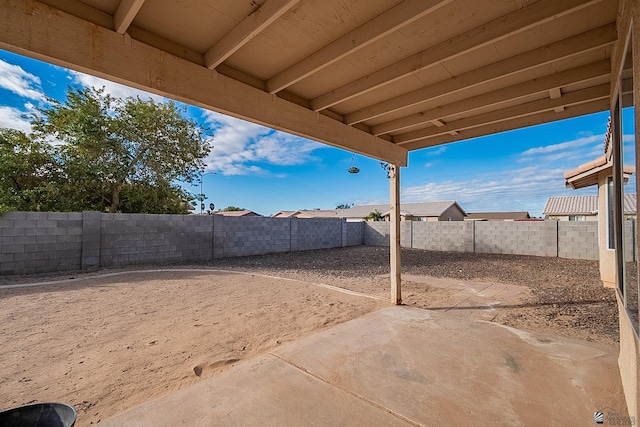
[(106, 344)]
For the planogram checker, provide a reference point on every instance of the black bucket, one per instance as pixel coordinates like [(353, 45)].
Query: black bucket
[(39, 415)]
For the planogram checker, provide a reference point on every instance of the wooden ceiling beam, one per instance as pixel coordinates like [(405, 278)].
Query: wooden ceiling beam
[(392, 20), (127, 10), (83, 11), (513, 23), (247, 29), (529, 108), (520, 90), (102, 19), (29, 26), (521, 122), (555, 93), (597, 38)]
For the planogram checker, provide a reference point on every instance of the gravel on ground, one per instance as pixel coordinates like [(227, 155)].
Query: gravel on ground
[(567, 296), (117, 340)]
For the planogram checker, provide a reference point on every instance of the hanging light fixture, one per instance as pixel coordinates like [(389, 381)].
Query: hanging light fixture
[(353, 167)]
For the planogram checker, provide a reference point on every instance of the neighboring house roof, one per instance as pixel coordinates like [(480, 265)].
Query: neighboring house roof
[(571, 205), (238, 213), (283, 214), (303, 213), (582, 205), (402, 213), (586, 174), (316, 213), (498, 215), (425, 209)]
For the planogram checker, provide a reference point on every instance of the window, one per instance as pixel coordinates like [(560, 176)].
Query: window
[(577, 218)]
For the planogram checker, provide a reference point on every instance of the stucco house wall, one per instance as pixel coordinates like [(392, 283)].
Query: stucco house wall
[(452, 212)]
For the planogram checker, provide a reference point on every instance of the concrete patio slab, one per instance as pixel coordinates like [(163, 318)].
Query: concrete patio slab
[(403, 366)]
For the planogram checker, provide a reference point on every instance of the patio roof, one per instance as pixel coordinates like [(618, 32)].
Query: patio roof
[(377, 78), (587, 174)]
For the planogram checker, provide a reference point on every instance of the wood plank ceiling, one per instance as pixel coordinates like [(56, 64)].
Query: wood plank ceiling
[(398, 75)]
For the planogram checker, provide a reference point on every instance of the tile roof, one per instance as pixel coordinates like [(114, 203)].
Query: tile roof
[(585, 167), (587, 174), (499, 215), (582, 205)]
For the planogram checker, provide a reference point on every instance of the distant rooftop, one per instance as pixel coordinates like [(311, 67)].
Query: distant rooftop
[(311, 213), (498, 215), (238, 213), (424, 209), (582, 205)]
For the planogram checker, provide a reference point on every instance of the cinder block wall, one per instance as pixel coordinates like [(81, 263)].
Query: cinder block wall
[(40, 242), (578, 239), (355, 233), (406, 233), (315, 233), (376, 233), (517, 237), (443, 236), (146, 238), (255, 235), (629, 230)]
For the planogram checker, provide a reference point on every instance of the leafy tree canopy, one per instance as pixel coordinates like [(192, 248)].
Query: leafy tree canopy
[(97, 152), (27, 172), (345, 206), (232, 209), (375, 216)]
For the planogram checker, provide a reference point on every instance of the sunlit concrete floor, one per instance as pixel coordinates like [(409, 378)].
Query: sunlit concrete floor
[(404, 366)]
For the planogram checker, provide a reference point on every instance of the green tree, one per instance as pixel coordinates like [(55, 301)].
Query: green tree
[(345, 206), (374, 216), (232, 209), (27, 173), (122, 155)]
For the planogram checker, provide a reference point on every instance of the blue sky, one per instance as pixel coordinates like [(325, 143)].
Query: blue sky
[(267, 171)]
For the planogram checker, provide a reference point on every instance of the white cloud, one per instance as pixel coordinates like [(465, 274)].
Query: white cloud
[(568, 145), (435, 150), (507, 190), (239, 146), (20, 82), (114, 89), (12, 118)]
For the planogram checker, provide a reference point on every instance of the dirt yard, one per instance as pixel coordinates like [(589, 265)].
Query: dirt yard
[(105, 344), (567, 297)]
